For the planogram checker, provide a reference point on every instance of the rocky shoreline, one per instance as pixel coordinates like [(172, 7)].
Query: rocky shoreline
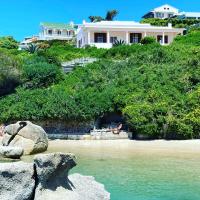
[(47, 178)]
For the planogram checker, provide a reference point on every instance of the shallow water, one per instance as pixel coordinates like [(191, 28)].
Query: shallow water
[(138, 173)]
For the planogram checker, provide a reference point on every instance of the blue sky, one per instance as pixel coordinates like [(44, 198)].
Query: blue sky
[(21, 18)]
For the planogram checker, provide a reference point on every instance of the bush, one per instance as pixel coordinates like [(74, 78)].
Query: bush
[(8, 43), (36, 72), (9, 73), (148, 40)]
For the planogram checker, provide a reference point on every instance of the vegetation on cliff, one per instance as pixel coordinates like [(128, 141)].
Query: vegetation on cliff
[(156, 88)]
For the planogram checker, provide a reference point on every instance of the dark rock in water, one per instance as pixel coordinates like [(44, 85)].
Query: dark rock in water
[(11, 152), (32, 138), (16, 181), (47, 178)]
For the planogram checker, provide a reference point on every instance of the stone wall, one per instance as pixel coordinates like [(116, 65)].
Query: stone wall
[(66, 128)]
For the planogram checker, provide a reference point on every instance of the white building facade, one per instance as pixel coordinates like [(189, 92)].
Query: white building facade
[(162, 12), (166, 11), (57, 31), (105, 33)]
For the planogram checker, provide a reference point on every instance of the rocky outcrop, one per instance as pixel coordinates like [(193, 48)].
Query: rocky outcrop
[(16, 181), (47, 178), (11, 152), (32, 138)]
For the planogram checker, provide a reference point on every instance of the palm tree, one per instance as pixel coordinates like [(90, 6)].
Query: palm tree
[(95, 18), (110, 15), (32, 48)]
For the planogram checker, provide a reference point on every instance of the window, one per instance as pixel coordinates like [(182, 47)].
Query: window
[(135, 37), (166, 39), (68, 33), (59, 32), (100, 38), (80, 43), (113, 39), (50, 32), (160, 39), (160, 15)]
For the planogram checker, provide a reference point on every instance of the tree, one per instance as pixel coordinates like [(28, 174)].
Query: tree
[(110, 15), (95, 18)]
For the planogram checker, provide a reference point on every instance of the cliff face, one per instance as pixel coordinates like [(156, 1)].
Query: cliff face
[(47, 178)]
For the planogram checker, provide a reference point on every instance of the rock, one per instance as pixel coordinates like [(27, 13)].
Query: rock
[(47, 178), (16, 181), (32, 138), (78, 188), (52, 169), (11, 152), (54, 183)]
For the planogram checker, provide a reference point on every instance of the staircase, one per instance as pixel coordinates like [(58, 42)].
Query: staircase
[(81, 62)]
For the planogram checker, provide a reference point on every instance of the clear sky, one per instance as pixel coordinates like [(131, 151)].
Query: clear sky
[(21, 18)]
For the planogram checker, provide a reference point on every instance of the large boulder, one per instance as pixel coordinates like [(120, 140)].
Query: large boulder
[(32, 138), (16, 181), (11, 152), (54, 183)]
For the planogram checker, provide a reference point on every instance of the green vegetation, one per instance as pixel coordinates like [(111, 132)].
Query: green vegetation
[(110, 15), (8, 43), (156, 88), (177, 23)]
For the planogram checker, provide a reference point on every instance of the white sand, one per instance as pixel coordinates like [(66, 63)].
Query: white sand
[(173, 146)]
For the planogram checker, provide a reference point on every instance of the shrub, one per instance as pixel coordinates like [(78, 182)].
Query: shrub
[(8, 43), (38, 73), (148, 40)]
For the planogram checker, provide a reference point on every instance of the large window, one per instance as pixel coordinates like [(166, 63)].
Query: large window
[(59, 32), (50, 32), (135, 37), (100, 38), (160, 39), (113, 40), (160, 15)]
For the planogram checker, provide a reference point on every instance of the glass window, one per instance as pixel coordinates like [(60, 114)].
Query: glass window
[(100, 37), (159, 15), (135, 37), (59, 32), (166, 39), (159, 39), (113, 39), (50, 32)]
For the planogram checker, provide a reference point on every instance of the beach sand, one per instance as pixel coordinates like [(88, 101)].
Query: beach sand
[(175, 146)]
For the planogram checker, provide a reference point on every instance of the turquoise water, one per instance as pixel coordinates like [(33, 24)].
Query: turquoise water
[(138, 173), (145, 177)]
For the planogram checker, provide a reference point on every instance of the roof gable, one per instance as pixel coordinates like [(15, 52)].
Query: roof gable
[(166, 8)]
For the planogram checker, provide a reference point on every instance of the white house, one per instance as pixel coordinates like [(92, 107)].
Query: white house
[(103, 34), (28, 40), (162, 12), (57, 31), (167, 11)]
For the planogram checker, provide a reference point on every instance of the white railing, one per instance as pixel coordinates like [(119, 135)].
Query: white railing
[(55, 36)]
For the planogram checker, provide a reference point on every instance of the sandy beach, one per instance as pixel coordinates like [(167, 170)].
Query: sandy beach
[(175, 146)]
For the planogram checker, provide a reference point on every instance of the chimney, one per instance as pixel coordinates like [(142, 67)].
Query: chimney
[(84, 22)]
